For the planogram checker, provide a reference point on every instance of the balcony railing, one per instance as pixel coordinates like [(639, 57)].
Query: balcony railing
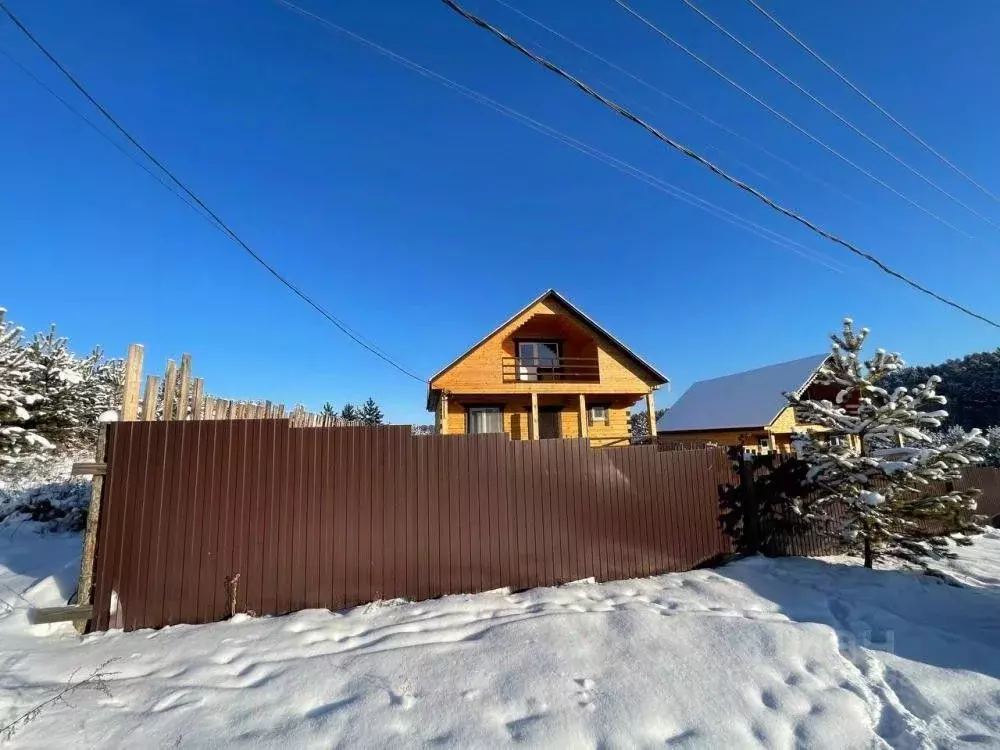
[(550, 369)]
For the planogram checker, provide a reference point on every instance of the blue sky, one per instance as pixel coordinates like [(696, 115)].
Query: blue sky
[(423, 219)]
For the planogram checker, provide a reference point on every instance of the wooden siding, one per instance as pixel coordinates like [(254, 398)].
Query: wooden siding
[(784, 422), (516, 419), (479, 371)]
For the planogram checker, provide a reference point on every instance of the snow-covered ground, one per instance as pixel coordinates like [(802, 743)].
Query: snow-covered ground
[(781, 653)]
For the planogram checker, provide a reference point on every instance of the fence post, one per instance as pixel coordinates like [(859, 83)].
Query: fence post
[(182, 397), (133, 380), (169, 387), (751, 510), (149, 399), (85, 585), (198, 399)]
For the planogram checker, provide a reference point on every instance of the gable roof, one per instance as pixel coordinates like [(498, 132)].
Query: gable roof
[(553, 294), (746, 399)]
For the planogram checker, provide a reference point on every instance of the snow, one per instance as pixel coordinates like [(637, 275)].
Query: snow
[(870, 498), (785, 653)]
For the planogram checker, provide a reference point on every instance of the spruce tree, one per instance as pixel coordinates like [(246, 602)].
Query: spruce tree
[(349, 413), (370, 414), (67, 408), (18, 442), (328, 410), (885, 472)]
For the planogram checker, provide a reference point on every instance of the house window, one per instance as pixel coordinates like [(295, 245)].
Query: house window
[(764, 445), (485, 419), (537, 360), (598, 415)]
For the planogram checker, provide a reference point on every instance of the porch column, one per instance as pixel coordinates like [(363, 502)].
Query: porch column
[(444, 413), (583, 416), (651, 416), (534, 416), (772, 442)]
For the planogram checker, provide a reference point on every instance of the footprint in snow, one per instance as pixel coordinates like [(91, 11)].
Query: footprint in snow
[(404, 701), (584, 697)]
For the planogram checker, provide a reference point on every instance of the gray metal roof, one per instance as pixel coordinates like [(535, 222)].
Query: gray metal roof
[(746, 399)]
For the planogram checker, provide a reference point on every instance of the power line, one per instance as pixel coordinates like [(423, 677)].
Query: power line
[(581, 146), (868, 99), (506, 39), (127, 154), (201, 204), (836, 114), (784, 118), (131, 157), (683, 105)]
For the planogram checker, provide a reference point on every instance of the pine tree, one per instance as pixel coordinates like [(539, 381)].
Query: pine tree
[(328, 411), (67, 409), (971, 385), (881, 472), (638, 424), (349, 413), (18, 442), (370, 414)]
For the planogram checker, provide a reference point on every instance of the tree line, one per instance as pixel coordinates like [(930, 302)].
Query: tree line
[(369, 413), (970, 383)]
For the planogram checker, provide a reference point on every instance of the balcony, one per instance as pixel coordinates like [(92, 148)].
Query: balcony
[(550, 370)]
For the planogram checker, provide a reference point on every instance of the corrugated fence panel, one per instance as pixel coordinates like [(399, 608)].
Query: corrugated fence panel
[(334, 516)]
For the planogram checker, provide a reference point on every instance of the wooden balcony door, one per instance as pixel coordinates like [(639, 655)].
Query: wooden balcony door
[(536, 358)]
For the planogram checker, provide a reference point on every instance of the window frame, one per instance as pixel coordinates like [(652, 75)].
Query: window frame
[(538, 372), (606, 420), (492, 408)]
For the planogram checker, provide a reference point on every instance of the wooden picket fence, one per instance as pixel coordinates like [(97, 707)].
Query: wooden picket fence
[(179, 396)]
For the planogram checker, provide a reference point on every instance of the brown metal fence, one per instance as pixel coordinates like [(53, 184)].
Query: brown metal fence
[(332, 517)]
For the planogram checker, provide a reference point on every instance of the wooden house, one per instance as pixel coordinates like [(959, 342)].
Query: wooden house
[(549, 371), (746, 408)]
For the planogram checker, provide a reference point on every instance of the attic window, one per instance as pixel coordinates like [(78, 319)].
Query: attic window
[(598, 415)]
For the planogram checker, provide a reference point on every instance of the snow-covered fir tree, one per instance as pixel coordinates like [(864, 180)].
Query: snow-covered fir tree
[(18, 442), (66, 404), (371, 414), (882, 469)]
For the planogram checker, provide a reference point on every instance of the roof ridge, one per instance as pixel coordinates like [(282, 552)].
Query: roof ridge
[(551, 292), (755, 369)]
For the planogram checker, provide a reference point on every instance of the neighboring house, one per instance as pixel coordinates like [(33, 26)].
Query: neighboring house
[(748, 408), (547, 372)]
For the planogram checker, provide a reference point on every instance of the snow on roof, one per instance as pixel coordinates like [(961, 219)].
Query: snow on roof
[(746, 399)]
